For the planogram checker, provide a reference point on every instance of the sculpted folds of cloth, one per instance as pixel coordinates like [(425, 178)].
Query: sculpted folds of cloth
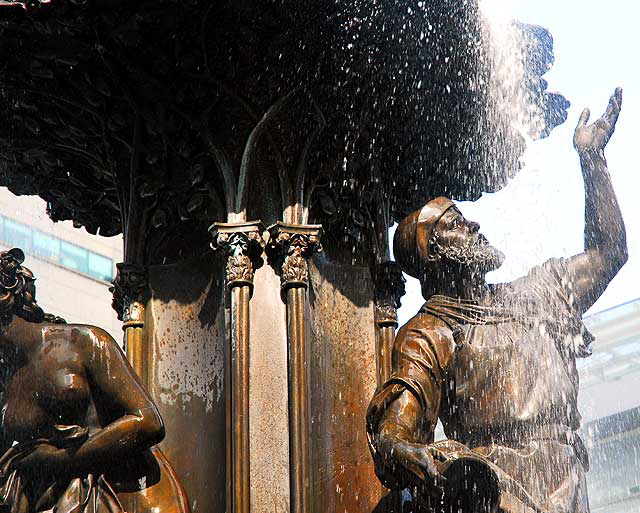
[(496, 364)]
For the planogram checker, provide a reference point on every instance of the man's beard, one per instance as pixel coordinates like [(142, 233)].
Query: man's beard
[(477, 255)]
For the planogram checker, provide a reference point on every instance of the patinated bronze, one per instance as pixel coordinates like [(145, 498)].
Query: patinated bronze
[(155, 119), (495, 363), (290, 248), (243, 245), (78, 428)]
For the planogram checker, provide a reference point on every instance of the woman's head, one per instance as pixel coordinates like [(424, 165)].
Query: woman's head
[(17, 289)]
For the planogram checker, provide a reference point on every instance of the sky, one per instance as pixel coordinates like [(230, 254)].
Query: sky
[(540, 213)]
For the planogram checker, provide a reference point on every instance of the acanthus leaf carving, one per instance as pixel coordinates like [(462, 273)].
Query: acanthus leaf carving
[(290, 247), (130, 286), (243, 245)]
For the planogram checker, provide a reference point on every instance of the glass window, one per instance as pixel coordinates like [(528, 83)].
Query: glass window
[(100, 267), (629, 348), (614, 480), (41, 245), (17, 235), (46, 246), (74, 257)]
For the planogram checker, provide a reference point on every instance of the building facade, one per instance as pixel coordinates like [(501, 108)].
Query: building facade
[(610, 404), (73, 268)]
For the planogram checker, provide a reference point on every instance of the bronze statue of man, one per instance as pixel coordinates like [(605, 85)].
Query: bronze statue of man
[(495, 363)]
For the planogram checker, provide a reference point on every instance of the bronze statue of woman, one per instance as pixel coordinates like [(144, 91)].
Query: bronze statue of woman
[(77, 426)]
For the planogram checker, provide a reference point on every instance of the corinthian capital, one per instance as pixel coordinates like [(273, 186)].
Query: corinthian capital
[(243, 245), (130, 286), (289, 248)]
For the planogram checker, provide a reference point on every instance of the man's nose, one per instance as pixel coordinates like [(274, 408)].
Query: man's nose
[(474, 227)]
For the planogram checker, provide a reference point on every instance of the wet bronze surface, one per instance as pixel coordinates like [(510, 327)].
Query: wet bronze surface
[(241, 112), (240, 82), (291, 247), (186, 374), (343, 378), (135, 341), (242, 245), (78, 428), (495, 363)]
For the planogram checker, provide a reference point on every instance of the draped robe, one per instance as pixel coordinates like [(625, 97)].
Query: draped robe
[(501, 376)]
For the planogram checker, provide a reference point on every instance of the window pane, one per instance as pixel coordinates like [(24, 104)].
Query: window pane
[(100, 267), (46, 246), (73, 257), (17, 235)]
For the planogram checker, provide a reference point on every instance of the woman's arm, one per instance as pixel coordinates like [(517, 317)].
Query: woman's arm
[(134, 423), (130, 418)]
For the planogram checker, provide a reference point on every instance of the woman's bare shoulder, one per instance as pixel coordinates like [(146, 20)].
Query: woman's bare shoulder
[(85, 337)]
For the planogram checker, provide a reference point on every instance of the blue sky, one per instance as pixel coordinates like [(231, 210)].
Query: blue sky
[(540, 214)]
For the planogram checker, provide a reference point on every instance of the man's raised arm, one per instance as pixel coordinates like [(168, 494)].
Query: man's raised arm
[(605, 240)]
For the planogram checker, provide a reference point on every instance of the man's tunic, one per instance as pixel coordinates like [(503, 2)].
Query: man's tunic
[(501, 376)]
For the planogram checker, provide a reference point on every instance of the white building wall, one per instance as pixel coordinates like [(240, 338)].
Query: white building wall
[(610, 378), (76, 297)]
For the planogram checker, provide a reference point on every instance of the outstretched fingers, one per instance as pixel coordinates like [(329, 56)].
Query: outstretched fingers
[(613, 109)]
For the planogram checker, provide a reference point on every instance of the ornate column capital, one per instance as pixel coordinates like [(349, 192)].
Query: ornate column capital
[(389, 289), (243, 245), (130, 286), (289, 248)]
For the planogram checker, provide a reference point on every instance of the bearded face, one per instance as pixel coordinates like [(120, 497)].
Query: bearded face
[(478, 255), (457, 242)]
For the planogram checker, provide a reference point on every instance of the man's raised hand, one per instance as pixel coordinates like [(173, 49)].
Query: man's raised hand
[(590, 139)]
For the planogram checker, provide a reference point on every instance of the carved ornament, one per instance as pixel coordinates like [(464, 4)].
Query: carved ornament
[(130, 286), (290, 246), (243, 245), (100, 109)]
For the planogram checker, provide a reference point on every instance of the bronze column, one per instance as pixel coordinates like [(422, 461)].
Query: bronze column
[(243, 245), (130, 293), (389, 289), (290, 246)]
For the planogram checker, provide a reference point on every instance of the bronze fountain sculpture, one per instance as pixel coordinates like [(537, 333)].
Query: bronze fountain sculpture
[(158, 119), (495, 363), (77, 425)]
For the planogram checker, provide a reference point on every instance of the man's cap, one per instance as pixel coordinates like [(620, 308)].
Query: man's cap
[(411, 241)]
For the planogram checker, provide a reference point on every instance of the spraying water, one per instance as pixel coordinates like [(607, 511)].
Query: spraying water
[(510, 390)]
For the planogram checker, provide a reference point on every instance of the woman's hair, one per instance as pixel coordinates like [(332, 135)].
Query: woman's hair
[(17, 289)]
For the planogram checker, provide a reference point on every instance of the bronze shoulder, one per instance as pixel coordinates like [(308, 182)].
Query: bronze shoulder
[(426, 333)]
